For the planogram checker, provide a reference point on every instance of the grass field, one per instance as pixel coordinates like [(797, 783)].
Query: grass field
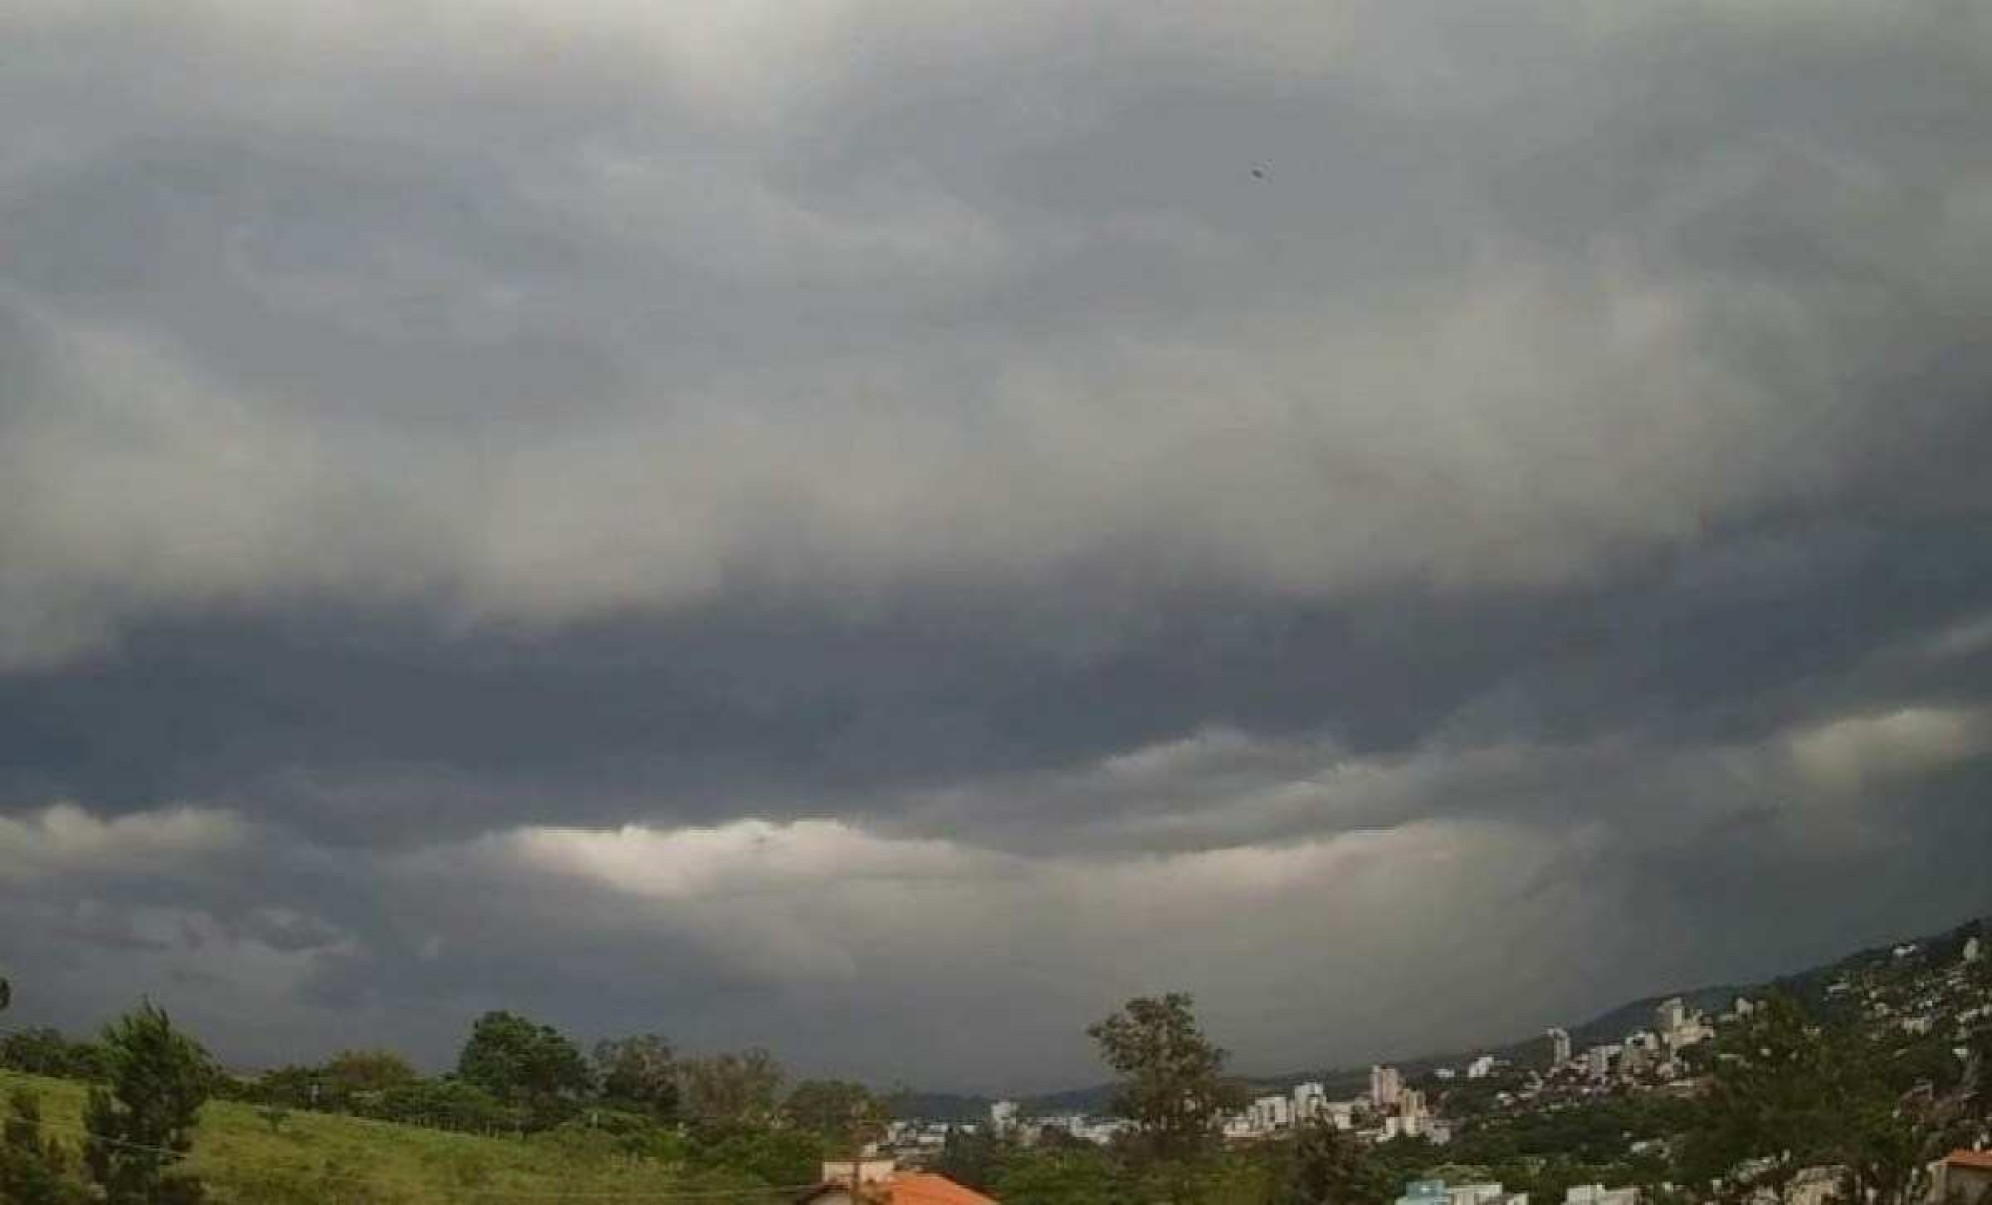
[(320, 1159)]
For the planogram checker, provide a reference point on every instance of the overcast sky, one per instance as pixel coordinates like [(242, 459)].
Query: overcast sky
[(882, 528)]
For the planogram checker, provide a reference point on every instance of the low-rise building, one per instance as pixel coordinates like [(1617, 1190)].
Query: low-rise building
[(1962, 1178), (1598, 1194), (1272, 1113), (1438, 1192), (887, 1185)]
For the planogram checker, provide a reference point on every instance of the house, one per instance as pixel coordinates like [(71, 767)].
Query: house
[(1438, 1192), (1598, 1194), (881, 1182), (1962, 1178)]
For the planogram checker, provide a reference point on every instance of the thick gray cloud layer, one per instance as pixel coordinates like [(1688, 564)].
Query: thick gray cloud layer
[(882, 529)]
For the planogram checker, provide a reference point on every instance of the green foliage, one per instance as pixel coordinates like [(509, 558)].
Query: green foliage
[(641, 1071), (1061, 1177), (770, 1155), (1171, 1075), (1790, 1094), (1088, 1175), (141, 1127), (732, 1089), (838, 1111), (1328, 1166), (526, 1064), (326, 1159), (44, 1051), (34, 1170), (974, 1157), (353, 1074)]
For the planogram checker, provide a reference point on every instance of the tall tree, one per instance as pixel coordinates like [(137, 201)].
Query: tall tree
[(352, 1073), (142, 1125), (1327, 1166), (841, 1112), (1172, 1084), (524, 1063), (734, 1088), (640, 1070)]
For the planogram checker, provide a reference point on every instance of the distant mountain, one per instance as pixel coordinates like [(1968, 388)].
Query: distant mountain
[(939, 1106), (1809, 986)]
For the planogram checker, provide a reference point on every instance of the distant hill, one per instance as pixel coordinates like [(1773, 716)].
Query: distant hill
[(940, 1106), (1809, 986)]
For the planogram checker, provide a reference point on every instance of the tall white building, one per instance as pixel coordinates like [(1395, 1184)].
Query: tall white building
[(1559, 1047), (1672, 1015), (1598, 1061), (1002, 1116), (1973, 950), (1309, 1101), (1481, 1067), (1385, 1086), (1411, 1112)]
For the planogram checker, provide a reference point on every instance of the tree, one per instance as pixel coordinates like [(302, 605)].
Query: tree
[(352, 1073), (1789, 1094), (522, 1062), (34, 1170), (975, 1157), (142, 1125), (642, 1071), (841, 1112), (1064, 1176), (44, 1051), (1327, 1166), (732, 1088), (1171, 1074)]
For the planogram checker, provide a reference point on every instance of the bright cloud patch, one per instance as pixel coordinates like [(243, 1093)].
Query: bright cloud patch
[(64, 838), (1848, 754), (747, 856)]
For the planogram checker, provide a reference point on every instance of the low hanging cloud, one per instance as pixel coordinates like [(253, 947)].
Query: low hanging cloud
[(846, 526), (64, 839)]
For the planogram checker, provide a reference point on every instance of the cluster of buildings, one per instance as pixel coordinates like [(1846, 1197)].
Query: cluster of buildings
[(1907, 987), (1391, 1109), (1655, 1054), (1923, 993), (1007, 1120)]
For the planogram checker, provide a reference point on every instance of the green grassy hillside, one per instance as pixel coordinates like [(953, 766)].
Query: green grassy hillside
[(321, 1159)]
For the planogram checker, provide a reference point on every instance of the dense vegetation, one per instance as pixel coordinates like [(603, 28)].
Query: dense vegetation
[(142, 1116)]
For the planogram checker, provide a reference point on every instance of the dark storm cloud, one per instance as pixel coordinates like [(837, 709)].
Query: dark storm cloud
[(758, 515)]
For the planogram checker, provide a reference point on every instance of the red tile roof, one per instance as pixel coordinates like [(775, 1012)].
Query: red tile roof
[(911, 1188), (920, 1188), (1978, 1159)]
